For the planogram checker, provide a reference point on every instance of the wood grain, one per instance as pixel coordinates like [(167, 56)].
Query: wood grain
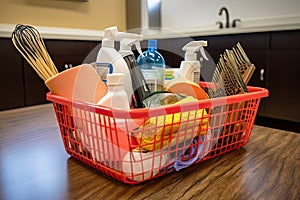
[(34, 165)]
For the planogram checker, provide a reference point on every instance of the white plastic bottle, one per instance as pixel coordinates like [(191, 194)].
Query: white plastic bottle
[(110, 61), (116, 97), (113, 137), (190, 67)]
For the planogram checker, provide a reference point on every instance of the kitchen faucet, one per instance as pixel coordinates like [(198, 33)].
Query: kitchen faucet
[(224, 9), (227, 23)]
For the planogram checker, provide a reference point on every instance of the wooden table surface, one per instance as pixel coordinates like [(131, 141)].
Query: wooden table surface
[(34, 165)]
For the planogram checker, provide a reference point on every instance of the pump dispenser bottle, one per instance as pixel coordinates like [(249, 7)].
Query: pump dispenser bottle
[(110, 61), (190, 67), (139, 84)]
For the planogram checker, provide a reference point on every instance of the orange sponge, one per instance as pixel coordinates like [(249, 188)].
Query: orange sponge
[(188, 88)]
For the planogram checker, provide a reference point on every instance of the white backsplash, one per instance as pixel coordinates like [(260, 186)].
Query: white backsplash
[(180, 14)]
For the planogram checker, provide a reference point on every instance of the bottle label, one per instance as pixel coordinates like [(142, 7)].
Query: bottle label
[(196, 76), (160, 77), (154, 78), (152, 84), (150, 79), (103, 69)]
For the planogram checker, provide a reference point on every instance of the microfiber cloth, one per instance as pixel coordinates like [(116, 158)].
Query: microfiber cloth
[(195, 152)]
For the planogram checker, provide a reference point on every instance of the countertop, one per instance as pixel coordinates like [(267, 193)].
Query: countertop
[(34, 165), (276, 23)]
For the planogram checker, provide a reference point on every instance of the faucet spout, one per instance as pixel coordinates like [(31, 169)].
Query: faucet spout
[(224, 9), (234, 22)]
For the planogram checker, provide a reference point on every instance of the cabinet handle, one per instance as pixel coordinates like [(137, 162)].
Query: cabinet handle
[(261, 77), (68, 66)]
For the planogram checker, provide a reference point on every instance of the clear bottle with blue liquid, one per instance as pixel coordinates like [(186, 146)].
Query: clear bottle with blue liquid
[(152, 65)]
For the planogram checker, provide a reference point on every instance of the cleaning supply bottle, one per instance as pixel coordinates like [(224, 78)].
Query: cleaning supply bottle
[(139, 85), (116, 97), (115, 130), (189, 72), (190, 67), (110, 61), (152, 65)]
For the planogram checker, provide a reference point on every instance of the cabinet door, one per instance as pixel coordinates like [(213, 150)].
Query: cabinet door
[(283, 82), (72, 53), (11, 81), (260, 60), (35, 88)]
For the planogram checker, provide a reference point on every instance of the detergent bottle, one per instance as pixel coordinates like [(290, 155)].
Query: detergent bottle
[(110, 61), (139, 85), (190, 67)]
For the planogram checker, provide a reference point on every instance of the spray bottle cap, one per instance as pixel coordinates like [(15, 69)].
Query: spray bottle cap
[(109, 34), (127, 40), (192, 47)]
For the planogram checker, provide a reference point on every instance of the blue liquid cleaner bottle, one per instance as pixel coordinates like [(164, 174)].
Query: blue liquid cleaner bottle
[(152, 65)]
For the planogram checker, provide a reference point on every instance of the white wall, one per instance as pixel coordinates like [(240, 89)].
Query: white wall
[(191, 13)]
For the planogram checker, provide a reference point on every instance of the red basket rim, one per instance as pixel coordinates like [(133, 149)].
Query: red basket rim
[(254, 93)]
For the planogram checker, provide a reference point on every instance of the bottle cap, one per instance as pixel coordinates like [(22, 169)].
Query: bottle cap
[(115, 79), (109, 34), (152, 44)]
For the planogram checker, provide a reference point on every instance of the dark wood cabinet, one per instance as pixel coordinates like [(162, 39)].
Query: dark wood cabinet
[(35, 89), (72, 53), (283, 83), (21, 86), (11, 72)]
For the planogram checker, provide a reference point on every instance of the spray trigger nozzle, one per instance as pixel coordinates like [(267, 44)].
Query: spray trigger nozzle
[(110, 32), (129, 39), (192, 47)]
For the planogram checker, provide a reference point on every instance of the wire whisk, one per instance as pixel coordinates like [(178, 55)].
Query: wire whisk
[(30, 44)]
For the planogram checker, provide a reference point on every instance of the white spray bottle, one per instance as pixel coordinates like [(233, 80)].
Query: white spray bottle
[(139, 85), (190, 67), (110, 61)]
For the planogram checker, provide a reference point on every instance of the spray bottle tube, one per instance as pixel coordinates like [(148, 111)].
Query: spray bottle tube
[(139, 85)]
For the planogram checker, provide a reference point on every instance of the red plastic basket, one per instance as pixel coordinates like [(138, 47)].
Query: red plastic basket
[(142, 144)]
